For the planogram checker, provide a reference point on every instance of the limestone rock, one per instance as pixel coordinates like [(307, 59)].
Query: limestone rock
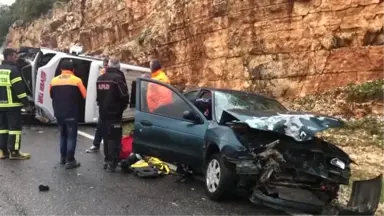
[(280, 47)]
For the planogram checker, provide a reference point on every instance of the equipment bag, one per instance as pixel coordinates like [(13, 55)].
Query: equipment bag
[(126, 147)]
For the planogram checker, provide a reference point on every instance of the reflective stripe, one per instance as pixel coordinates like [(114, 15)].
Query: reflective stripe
[(9, 94), (4, 77), (3, 131), (17, 142), (17, 79), (10, 105), (14, 132), (22, 95)]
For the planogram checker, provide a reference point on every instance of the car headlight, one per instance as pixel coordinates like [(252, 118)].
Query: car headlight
[(338, 163), (246, 167)]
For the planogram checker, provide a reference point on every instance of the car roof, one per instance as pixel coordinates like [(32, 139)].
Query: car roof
[(229, 91)]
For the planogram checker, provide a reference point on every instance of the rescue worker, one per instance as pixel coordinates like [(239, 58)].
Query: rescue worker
[(12, 99), (112, 99), (158, 95), (98, 134), (67, 91)]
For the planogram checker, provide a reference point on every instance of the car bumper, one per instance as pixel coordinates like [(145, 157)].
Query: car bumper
[(364, 200)]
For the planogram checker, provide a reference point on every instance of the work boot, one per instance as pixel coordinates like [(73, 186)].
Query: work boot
[(18, 155), (93, 149), (4, 155), (111, 168), (105, 165), (72, 165), (63, 161)]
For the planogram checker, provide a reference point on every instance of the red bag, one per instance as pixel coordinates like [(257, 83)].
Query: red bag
[(126, 147)]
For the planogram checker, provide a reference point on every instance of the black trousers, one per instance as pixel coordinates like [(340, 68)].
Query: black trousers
[(10, 130), (112, 133), (98, 134)]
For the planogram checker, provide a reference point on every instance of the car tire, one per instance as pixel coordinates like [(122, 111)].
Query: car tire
[(220, 180)]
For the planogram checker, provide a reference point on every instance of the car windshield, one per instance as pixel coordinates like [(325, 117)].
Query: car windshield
[(227, 100)]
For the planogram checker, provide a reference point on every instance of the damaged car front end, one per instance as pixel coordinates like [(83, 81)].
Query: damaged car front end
[(287, 167)]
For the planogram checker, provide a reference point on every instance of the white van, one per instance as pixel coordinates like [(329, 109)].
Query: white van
[(39, 66)]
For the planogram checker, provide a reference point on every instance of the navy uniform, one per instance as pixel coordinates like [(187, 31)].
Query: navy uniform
[(12, 98), (112, 99)]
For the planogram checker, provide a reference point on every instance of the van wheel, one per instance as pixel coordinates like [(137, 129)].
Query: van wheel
[(220, 181)]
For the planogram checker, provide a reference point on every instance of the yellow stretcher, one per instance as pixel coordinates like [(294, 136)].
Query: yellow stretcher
[(150, 167)]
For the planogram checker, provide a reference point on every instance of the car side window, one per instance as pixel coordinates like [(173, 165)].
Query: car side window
[(160, 100), (191, 96), (204, 105)]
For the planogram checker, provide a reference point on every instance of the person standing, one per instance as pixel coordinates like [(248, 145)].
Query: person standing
[(98, 134), (158, 95), (67, 91), (12, 99), (112, 99)]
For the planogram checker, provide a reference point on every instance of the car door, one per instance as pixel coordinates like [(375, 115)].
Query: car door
[(164, 133)]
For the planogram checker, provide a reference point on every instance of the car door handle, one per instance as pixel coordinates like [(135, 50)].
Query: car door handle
[(146, 123)]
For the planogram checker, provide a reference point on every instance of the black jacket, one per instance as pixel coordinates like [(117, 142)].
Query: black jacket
[(12, 89), (112, 94)]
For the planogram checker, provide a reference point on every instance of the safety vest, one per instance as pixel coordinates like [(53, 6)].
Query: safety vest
[(12, 90), (158, 95), (102, 71), (67, 92)]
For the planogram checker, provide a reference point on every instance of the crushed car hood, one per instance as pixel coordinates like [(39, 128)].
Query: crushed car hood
[(300, 126)]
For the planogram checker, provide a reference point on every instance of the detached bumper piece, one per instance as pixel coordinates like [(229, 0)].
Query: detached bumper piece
[(289, 199), (365, 197)]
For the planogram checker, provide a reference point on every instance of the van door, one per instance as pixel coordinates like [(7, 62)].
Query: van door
[(91, 108), (42, 96), (27, 64)]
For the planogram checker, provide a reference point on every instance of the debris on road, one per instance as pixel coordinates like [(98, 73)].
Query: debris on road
[(43, 188)]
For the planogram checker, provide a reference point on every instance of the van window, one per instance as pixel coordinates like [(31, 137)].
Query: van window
[(81, 70), (45, 59)]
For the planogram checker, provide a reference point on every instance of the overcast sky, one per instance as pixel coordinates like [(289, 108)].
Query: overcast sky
[(7, 2)]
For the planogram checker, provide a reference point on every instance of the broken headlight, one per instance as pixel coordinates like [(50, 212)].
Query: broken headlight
[(338, 163), (246, 167)]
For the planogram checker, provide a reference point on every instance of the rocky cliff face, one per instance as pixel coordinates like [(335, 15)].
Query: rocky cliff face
[(278, 47)]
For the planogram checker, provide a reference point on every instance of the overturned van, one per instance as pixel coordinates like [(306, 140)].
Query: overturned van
[(38, 66)]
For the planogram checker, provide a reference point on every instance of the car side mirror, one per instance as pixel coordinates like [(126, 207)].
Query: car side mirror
[(192, 116)]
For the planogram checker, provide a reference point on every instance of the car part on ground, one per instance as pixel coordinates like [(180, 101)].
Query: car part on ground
[(365, 197)]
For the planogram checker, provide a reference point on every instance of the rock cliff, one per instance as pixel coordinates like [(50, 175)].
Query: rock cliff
[(278, 47)]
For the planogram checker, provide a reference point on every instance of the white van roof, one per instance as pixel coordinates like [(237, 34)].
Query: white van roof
[(100, 60)]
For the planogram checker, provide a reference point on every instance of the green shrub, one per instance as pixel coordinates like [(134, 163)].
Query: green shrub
[(25, 10), (366, 91)]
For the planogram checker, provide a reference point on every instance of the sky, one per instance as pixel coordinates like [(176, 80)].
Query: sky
[(7, 2)]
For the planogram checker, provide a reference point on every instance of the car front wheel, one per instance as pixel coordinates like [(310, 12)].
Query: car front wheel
[(220, 181)]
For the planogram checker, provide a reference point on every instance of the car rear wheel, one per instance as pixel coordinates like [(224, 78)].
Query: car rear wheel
[(220, 181)]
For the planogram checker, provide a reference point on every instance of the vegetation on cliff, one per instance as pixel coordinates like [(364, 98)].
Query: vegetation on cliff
[(24, 10)]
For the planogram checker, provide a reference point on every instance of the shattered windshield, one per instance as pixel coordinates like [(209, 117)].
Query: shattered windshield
[(229, 100)]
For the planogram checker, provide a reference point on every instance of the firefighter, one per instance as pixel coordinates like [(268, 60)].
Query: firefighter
[(12, 99), (158, 95), (67, 91), (112, 99), (98, 134)]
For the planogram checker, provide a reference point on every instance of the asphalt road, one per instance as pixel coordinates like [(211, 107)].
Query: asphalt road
[(89, 190)]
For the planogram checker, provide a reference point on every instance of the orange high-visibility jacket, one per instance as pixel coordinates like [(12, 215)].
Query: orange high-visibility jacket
[(158, 95)]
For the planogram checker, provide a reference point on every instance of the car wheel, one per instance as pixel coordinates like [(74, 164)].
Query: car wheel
[(220, 181)]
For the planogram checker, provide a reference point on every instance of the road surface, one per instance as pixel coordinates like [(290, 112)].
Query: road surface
[(89, 190)]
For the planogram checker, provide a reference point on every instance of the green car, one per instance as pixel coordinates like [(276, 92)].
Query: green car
[(240, 139)]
